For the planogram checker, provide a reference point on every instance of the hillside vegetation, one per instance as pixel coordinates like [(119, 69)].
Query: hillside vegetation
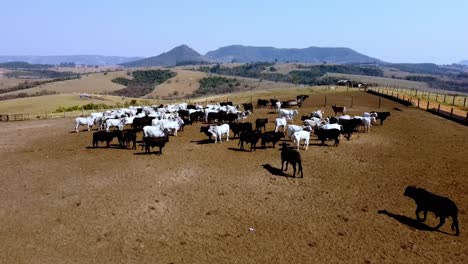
[(143, 82)]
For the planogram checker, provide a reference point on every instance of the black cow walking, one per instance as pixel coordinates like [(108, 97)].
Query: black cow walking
[(442, 207), (290, 155)]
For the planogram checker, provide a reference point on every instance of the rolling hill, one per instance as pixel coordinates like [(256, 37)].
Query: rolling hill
[(239, 53), (77, 59), (464, 62), (177, 56)]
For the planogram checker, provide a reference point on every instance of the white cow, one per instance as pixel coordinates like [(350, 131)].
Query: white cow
[(299, 136), (117, 122), (172, 125), (153, 131), (278, 106), (318, 114), (218, 132), (366, 122), (331, 126), (313, 122), (289, 114), (281, 122), (84, 121), (293, 129)]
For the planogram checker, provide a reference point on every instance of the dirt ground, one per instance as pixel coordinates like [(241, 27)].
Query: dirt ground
[(65, 202)]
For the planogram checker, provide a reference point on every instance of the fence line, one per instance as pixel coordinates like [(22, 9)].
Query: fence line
[(449, 112)]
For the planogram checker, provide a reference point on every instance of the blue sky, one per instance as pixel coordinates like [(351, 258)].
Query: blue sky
[(394, 31)]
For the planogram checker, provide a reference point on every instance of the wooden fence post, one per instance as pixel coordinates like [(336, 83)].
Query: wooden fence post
[(427, 108), (464, 103), (466, 119), (453, 101), (451, 112), (418, 102), (445, 96), (437, 97), (438, 109)]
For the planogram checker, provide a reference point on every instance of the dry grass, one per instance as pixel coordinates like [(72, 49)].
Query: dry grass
[(91, 83), (52, 102)]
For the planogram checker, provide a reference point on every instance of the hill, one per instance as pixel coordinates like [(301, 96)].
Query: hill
[(76, 59), (177, 56), (464, 62), (239, 53)]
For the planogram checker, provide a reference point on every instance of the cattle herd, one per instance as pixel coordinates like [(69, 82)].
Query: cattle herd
[(158, 123)]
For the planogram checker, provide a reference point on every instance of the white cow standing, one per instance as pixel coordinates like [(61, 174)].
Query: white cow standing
[(281, 122), (219, 131), (297, 137), (84, 121), (117, 122)]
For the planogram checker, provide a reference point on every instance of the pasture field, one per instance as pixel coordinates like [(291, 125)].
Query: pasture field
[(63, 201), (50, 103), (89, 83), (185, 83)]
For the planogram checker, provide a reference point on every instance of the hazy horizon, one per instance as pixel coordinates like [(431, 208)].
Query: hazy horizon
[(397, 31)]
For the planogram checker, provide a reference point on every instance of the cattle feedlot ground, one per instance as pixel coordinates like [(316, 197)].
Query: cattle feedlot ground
[(65, 202)]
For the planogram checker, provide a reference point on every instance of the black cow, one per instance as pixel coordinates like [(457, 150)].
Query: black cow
[(273, 103), (328, 134), (191, 106), (441, 206), (197, 116), (140, 122), (204, 129), (272, 137), (332, 120), (349, 126), (183, 113), (261, 122), (301, 98), (261, 103), (304, 118), (290, 155), (238, 128), (250, 137), (225, 103), (248, 107), (151, 142), (231, 117), (126, 137), (382, 116), (101, 136)]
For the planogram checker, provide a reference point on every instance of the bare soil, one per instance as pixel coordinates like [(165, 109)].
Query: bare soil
[(63, 201)]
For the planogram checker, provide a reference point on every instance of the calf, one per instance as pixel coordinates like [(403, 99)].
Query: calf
[(250, 137), (292, 129), (382, 116), (281, 122), (297, 137), (261, 123), (262, 103), (101, 136), (151, 142), (328, 134), (126, 137), (204, 129), (272, 137), (339, 109), (442, 207), (237, 128), (290, 155), (349, 126), (248, 107)]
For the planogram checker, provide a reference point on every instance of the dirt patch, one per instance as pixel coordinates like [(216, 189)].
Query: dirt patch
[(208, 203)]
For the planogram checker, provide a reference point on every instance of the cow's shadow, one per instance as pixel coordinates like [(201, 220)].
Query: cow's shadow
[(157, 153), (275, 171), (203, 141), (413, 223), (240, 150)]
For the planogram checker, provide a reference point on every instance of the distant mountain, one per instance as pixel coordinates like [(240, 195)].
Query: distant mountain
[(77, 59), (464, 62), (239, 53), (177, 56)]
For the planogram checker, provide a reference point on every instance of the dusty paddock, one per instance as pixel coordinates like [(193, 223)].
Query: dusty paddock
[(64, 202)]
